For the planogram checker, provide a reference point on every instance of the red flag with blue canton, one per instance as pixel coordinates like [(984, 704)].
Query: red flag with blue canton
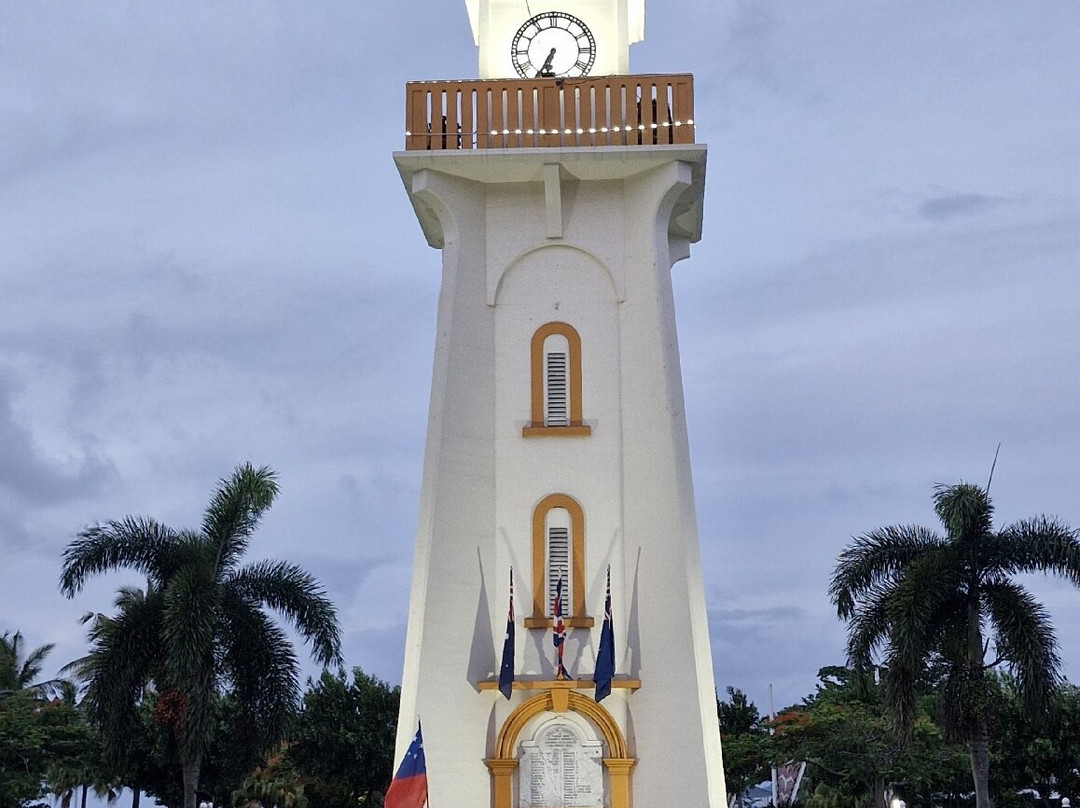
[(559, 636), (605, 657), (409, 787), (506, 671)]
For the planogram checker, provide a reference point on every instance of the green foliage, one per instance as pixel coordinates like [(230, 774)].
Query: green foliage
[(275, 785), (746, 742), (1040, 755), (343, 744), (200, 629), (23, 755), (46, 746), (845, 734), (916, 597)]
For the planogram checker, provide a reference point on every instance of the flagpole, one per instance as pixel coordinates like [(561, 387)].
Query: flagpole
[(772, 731), (427, 795)]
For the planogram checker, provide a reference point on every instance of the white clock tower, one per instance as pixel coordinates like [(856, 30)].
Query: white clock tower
[(561, 190)]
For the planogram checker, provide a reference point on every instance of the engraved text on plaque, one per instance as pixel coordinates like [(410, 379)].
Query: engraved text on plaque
[(561, 769)]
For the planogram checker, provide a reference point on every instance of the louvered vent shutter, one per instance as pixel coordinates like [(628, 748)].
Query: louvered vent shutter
[(558, 566), (556, 414)]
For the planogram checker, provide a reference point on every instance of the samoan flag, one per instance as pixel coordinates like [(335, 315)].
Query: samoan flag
[(506, 671), (559, 634), (409, 786), (605, 657)]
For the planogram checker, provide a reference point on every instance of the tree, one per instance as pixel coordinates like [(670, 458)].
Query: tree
[(275, 785), (918, 598), (343, 744), (843, 733), (200, 627), (78, 761), (18, 673), (746, 742), (1039, 755), (23, 757), (43, 743)]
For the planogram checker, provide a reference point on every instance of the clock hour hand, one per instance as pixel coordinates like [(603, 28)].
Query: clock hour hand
[(547, 72)]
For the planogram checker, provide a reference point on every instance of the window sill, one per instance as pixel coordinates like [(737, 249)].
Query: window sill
[(541, 431), (581, 621)]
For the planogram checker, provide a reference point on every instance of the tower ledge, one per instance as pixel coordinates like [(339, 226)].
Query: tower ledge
[(581, 164)]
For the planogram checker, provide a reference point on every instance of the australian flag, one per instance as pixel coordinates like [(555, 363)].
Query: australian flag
[(605, 657), (409, 786), (506, 671)]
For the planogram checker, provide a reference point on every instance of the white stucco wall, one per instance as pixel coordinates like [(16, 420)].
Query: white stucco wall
[(608, 275)]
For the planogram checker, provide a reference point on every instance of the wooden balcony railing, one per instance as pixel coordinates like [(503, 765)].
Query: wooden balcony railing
[(510, 114)]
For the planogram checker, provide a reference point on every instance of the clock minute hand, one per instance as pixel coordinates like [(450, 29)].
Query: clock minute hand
[(546, 72)]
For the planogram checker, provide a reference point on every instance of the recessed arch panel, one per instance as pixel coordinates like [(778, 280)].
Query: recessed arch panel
[(618, 763)]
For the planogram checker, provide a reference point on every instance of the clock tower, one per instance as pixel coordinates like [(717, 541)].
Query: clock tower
[(560, 190)]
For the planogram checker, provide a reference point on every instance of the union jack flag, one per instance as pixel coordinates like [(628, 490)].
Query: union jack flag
[(559, 635)]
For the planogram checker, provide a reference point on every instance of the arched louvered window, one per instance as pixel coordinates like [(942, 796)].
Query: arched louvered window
[(555, 364), (558, 551), (557, 530), (556, 382)]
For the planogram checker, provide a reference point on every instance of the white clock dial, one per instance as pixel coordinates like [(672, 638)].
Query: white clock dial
[(553, 44)]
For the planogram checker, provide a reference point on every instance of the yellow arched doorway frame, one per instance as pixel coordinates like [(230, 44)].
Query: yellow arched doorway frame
[(504, 763)]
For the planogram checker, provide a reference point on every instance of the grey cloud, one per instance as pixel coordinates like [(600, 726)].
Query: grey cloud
[(28, 474), (951, 206), (13, 533), (750, 618), (751, 41)]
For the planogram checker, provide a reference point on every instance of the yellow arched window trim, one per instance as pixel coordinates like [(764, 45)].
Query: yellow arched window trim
[(577, 617), (536, 427), (504, 763)]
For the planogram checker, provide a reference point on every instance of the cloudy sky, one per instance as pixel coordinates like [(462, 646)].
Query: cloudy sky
[(204, 241)]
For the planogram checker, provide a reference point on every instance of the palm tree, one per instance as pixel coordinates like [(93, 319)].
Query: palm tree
[(201, 626), (18, 673), (951, 600)]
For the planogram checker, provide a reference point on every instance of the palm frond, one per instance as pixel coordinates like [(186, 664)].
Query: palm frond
[(34, 662), (17, 673), (235, 510), (190, 621), (874, 558), (899, 682), (965, 511), (918, 610), (294, 593), (134, 542), (262, 666), (1042, 544), (1025, 640), (868, 628), (125, 656)]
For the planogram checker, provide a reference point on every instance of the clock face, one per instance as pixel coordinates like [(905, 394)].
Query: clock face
[(553, 44)]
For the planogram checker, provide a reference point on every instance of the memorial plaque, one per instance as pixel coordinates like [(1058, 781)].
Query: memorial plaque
[(561, 769)]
